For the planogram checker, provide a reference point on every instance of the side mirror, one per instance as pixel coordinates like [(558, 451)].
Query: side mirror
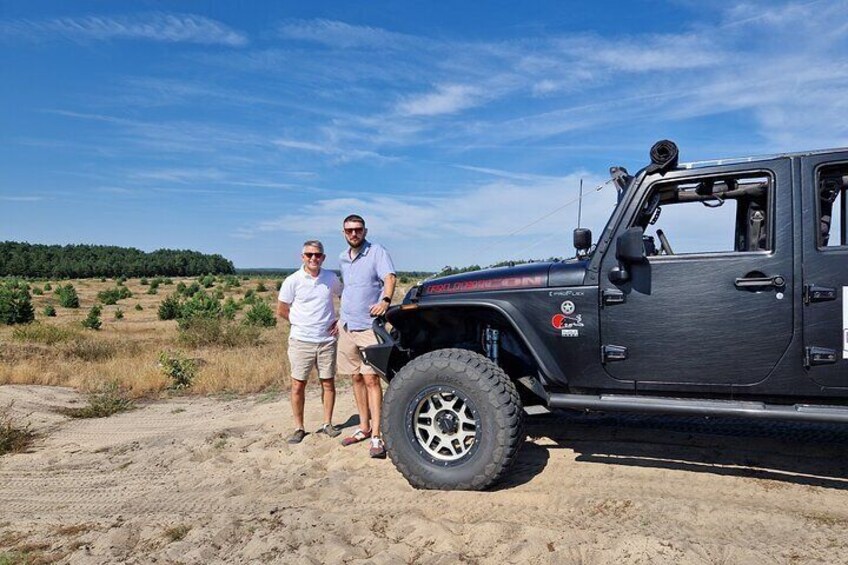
[(629, 249), (582, 238), (629, 246)]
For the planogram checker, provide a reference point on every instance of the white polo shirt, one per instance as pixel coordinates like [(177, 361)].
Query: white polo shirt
[(311, 301)]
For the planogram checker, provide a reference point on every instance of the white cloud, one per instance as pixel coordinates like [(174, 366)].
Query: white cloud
[(343, 35), (22, 198), (163, 27), (446, 99)]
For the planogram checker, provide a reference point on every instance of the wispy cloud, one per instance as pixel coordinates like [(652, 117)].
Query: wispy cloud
[(344, 35), (158, 26), (22, 198), (446, 99)]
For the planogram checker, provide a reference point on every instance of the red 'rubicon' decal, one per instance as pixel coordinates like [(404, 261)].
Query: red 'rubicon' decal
[(485, 284)]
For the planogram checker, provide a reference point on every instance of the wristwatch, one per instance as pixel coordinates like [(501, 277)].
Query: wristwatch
[(387, 300)]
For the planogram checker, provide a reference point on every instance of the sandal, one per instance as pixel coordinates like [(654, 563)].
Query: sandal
[(329, 429), (378, 449), (297, 436), (358, 435)]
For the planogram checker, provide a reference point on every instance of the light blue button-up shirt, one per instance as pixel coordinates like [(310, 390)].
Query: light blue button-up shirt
[(363, 283)]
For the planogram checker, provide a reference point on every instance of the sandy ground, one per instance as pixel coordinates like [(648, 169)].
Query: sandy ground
[(202, 480)]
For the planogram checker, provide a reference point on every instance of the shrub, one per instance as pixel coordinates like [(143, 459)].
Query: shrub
[(50, 311), (200, 305), (15, 303), (219, 294), (92, 321), (199, 332), (102, 279), (166, 280), (102, 403), (231, 282), (207, 281), (179, 369), (36, 291), (404, 279), (169, 309), (260, 315), (48, 287), (119, 314), (279, 285), (112, 295), (261, 287), (43, 333), (249, 297), (139, 307), (67, 296), (181, 287), (152, 290), (13, 438), (229, 309), (143, 282), (121, 280), (88, 350), (156, 282)]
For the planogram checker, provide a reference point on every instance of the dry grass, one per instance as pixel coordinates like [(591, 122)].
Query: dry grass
[(58, 352), (14, 437)]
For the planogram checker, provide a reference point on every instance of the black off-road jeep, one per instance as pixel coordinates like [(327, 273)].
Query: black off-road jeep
[(738, 310)]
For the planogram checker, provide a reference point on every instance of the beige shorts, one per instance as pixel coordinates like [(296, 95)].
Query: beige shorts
[(351, 344), (304, 355)]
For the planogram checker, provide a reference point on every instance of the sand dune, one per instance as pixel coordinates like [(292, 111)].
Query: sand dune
[(200, 480)]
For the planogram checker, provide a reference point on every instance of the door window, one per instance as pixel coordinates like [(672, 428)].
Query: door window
[(719, 214), (831, 186)]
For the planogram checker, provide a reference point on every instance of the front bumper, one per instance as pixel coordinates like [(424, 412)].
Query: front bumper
[(387, 356)]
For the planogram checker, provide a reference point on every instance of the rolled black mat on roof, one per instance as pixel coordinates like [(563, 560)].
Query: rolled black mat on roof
[(664, 156)]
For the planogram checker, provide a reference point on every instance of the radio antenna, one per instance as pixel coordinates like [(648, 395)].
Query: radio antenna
[(580, 204)]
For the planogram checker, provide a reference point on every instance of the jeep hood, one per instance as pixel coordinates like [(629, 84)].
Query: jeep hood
[(530, 275)]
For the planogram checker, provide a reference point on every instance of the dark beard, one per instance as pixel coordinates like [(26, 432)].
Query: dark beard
[(358, 245)]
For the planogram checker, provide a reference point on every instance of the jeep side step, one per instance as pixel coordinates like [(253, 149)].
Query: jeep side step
[(729, 408)]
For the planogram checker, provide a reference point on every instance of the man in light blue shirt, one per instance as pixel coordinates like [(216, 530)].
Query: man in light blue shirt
[(369, 283)]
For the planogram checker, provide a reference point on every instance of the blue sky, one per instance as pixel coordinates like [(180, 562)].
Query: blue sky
[(244, 128)]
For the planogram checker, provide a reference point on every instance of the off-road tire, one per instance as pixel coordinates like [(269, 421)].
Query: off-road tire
[(497, 410)]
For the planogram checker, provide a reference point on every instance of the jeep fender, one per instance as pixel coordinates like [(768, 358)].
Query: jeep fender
[(435, 325)]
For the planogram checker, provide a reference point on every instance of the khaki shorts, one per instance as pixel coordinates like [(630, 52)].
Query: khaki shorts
[(351, 344), (304, 355)]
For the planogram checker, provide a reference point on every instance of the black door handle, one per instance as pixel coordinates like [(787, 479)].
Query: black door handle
[(776, 281)]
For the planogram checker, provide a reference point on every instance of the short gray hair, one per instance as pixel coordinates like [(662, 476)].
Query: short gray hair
[(314, 243)]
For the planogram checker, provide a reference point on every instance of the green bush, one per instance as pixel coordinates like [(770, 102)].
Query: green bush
[(143, 282), (50, 311), (44, 333), (36, 291), (121, 280), (48, 287), (169, 309), (112, 295), (207, 281), (166, 280), (201, 332), (119, 314), (260, 315), (139, 307), (92, 321), (279, 285), (153, 290), (15, 302), (219, 294), (181, 287), (229, 309), (249, 297), (102, 403), (178, 368), (67, 296), (200, 305), (261, 287)]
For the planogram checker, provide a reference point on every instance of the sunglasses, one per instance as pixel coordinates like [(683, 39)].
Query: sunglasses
[(351, 231), (309, 255)]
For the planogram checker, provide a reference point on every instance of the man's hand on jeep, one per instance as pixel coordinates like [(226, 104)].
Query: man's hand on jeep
[(379, 309)]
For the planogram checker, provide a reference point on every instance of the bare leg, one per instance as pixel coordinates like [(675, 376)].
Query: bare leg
[(375, 400), (328, 398), (360, 394), (297, 401)]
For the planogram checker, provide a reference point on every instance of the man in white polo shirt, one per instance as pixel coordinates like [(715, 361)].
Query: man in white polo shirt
[(306, 301)]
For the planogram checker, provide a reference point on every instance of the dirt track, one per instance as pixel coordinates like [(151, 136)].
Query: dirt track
[(199, 480)]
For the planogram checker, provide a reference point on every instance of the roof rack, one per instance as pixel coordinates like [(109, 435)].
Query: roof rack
[(735, 160)]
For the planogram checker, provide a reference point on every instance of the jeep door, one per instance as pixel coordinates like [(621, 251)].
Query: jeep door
[(825, 252), (715, 308)]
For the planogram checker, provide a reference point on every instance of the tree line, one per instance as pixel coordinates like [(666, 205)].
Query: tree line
[(21, 259)]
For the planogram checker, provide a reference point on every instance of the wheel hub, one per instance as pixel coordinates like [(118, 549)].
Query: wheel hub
[(447, 422), (445, 425)]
